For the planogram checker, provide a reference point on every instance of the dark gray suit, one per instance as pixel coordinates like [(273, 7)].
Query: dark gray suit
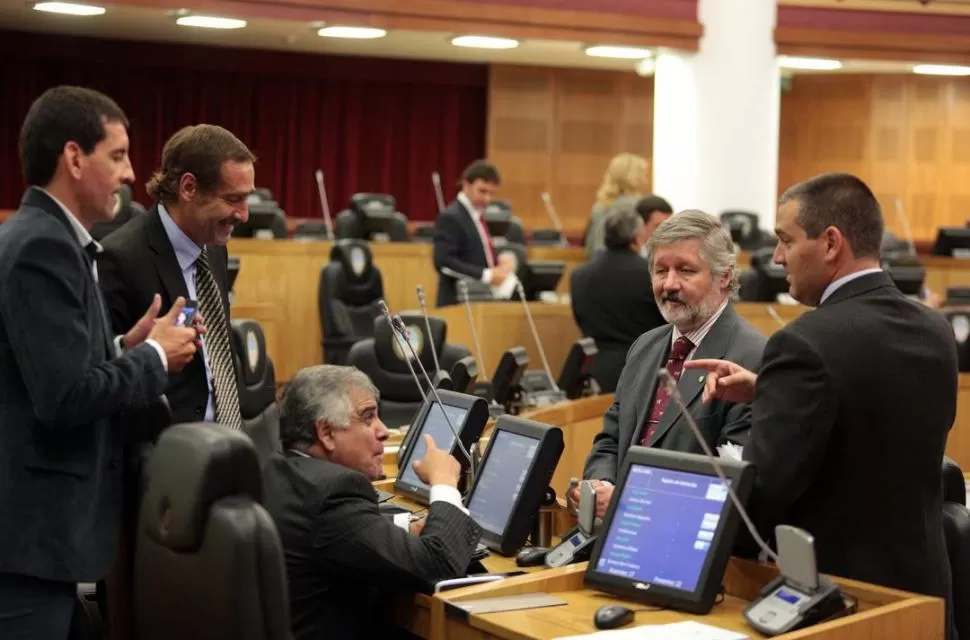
[(730, 338), (457, 246), (343, 557), (61, 391)]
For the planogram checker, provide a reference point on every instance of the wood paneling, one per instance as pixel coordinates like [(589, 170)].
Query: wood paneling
[(555, 130), (906, 136)]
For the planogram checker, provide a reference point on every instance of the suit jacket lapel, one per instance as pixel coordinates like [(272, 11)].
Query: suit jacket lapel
[(163, 257), (647, 381), (714, 345)]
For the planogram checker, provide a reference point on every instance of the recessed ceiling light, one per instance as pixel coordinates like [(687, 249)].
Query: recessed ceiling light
[(69, 8), (941, 70), (355, 33), (809, 64), (625, 53), (211, 22), (484, 42)]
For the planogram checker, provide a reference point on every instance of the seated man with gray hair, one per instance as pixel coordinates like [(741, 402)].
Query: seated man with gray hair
[(693, 270), (343, 557)]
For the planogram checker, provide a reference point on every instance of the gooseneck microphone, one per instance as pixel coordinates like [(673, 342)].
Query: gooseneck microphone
[(439, 196), (535, 335), (407, 360), (901, 212), (463, 294), (427, 326), (671, 386), (551, 211), (321, 189)]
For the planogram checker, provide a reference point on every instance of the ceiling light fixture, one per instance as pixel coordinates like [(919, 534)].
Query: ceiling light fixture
[(941, 70), (354, 33), (624, 53), (211, 22), (69, 8), (809, 64), (484, 42)]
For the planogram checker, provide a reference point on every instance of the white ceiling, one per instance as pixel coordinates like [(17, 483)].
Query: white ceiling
[(158, 25)]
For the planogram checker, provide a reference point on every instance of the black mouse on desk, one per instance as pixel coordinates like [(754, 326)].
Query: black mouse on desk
[(531, 557), (611, 616)]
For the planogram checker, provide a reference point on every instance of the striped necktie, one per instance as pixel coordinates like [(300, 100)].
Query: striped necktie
[(217, 345)]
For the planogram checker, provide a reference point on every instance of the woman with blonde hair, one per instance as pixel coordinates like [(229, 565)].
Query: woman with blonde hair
[(625, 178)]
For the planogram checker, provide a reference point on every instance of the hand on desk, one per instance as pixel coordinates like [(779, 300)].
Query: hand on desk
[(725, 380)]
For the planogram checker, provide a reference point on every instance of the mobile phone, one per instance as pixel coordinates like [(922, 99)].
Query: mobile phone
[(185, 318)]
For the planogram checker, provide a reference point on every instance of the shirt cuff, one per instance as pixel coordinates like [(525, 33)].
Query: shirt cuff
[(403, 520), (451, 495), (161, 353), (487, 276), (119, 346)]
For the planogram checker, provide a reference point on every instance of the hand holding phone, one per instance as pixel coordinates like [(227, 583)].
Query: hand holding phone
[(187, 316)]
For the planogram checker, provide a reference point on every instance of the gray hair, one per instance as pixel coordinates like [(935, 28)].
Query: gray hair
[(320, 392), (622, 224), (717, 248)]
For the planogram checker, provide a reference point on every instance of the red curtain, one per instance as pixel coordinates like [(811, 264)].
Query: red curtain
[(370, 124)]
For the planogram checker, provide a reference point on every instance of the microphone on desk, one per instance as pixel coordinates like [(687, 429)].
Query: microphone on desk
[(439, 375), (463, 295), (322, 190), (551, 211), (439, 196), (407, 360), (901, 212), (774, 315), (535, 336)]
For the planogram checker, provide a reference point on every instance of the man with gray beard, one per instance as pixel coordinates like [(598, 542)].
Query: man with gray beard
[(693, 268)]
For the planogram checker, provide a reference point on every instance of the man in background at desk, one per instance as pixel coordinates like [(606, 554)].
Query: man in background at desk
[(612, 297), (854, 401), (342, 556), (694, 272), (462, 243)]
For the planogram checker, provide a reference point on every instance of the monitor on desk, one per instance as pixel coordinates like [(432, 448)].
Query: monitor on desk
[(669, 529), (952, 242), (512, 480), (468, 415)]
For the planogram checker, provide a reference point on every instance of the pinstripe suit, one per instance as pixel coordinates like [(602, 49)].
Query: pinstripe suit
[(342, 555)]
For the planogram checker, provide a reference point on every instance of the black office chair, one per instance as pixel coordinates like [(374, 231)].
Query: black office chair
[(503, 225), (956, 531), (312, 230), (423, 233), (208, 559), (266, 219), (126, 210), (348, 295), (382, 358), (372, 216), (257, 387), (959, 319), (744, 229)]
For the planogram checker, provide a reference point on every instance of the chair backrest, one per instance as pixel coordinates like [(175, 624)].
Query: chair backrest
[(265, 219), (959, 319), (744, 229), (956, 531), (313, 230), (126, 210), (347, 298), (423, 233), (208, 559), (954, 484), (372, 216), (257, 387)]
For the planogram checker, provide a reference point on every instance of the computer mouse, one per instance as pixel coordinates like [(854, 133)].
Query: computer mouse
[(611, 616), (531, 556)]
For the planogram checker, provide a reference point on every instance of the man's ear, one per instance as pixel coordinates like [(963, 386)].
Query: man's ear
[(188, 187), (73, 157), (834, 242), (325, 437)]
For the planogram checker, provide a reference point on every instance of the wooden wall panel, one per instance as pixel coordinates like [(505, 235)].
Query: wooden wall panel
[(907, 136), (555, 130)]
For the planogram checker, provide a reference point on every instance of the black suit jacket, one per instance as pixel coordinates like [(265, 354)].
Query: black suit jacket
[(457, 246), (850, 418), (61, 392), (613, 303), (343, 556), (731, 338), (138, 261)]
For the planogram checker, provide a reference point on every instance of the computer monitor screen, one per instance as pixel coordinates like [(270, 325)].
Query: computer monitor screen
[(669, 529), (468, 415), (512, 480), (953, 242), (542, 275)]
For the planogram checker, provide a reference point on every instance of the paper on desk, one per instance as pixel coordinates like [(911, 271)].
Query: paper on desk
[(686, 630), (730, 451), (505, 290)]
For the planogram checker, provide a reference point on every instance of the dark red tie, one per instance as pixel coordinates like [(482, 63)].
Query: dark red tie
[(489, 248), (675, 364)]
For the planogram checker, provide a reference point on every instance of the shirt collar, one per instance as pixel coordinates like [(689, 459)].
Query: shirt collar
[(83, 235), (699, 333), (465, 202), (186, 251), (844, 280)]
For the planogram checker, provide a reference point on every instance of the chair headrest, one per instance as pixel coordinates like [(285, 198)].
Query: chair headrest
[(122, 199), (954, 485), (498, 209), (193, 466), (960, 321), (250, 344), (364, 204), (392, 353), (355, 257)]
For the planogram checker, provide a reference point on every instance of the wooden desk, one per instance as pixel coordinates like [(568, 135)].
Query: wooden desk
[(883, 613)]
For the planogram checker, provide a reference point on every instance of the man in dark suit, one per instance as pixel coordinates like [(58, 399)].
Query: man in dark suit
[(462, 244), (343, 557), (694, 267), (64, 380), (854, 400), (612, 296)]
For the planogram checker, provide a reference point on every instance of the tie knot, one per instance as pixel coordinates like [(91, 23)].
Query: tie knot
[(91, 249), (681, 348)]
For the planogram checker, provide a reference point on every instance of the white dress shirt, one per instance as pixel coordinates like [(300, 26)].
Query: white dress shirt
[(476, 216)]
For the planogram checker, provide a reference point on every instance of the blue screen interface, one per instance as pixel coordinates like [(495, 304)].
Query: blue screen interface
[(501, 479), (437, 427), (663, 526)]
